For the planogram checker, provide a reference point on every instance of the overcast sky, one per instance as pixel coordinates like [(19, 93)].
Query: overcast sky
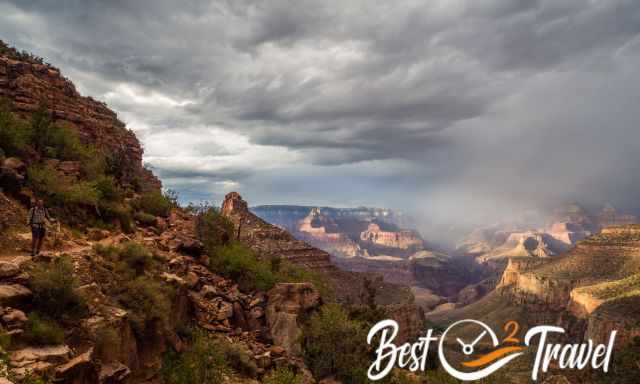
[(443, 107)]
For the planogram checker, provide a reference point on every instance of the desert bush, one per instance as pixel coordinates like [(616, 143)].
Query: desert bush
[(81, 193), (145, 219), (239, 359), (202, 363), (108, 188), (71, 196), (149, 305), (119, 214), (155, 203), (286, 272), (212, 229), (42, 331), (33, 379), (283, 376), (53, 286), (135, 257), (106, 251), (240, 264), (60, 141), (333, 345), (15, 134), (131, 259)]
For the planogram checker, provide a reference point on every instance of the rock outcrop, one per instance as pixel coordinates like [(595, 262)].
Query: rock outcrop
[(323, 232), (287, 303), (596, 283), (269, 241), (404, 240)]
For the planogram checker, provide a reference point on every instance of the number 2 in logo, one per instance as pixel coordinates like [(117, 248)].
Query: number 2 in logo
[(511, 329)]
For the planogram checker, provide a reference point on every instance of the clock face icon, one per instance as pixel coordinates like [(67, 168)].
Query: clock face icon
[(468, 345)]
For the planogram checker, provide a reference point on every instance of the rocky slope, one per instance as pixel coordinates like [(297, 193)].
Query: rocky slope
[(213, 302), (32, 85)]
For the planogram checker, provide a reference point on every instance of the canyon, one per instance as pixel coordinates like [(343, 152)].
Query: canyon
[(103, 343), (578, 269), (372, 240)]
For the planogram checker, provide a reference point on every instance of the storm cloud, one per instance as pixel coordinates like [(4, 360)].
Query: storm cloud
[(450, 108)]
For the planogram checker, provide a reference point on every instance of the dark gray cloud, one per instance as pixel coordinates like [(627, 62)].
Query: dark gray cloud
[(445, 106)]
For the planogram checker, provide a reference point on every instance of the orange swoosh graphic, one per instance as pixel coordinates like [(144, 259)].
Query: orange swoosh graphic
[(489, 357)]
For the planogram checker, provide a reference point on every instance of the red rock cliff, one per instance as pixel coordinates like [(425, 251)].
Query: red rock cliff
[(30, 85)]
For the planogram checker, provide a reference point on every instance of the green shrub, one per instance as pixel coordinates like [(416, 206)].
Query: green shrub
[(283, 376), (333, 345), (108, 188), (53, 286), (239, 359), (135, 257), (80, 193), (59, 140), (32, 379), (201, 363), (131, 258), (146, 219), (239, 263), (106, 251), (155, 203), (149, 305), (117, 214), (287, 272), (42, 331), (15, 134), (5, 339), (44, 182), (212, 229)]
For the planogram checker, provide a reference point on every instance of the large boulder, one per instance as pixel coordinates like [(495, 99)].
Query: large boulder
[(286, 302), (12, 294), (15, 164), (12, 267), (13, 318), (38, 360), (80, 369)]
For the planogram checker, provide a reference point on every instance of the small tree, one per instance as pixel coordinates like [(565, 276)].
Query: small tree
[(334, 345)]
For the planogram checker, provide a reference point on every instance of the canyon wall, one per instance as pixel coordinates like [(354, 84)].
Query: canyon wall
[(595, 286), (32, 86)]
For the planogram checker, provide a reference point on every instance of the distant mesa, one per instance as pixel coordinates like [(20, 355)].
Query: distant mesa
[(567, 226)]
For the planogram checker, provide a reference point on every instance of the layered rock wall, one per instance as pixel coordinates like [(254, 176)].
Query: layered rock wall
[(31, 86)]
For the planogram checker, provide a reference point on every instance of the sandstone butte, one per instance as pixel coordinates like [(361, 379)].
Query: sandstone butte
[(264, 326)]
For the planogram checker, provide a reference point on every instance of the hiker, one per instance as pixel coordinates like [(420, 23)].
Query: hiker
[(37, 219)]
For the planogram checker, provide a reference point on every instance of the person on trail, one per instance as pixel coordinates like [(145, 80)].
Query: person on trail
[(37, 219)]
